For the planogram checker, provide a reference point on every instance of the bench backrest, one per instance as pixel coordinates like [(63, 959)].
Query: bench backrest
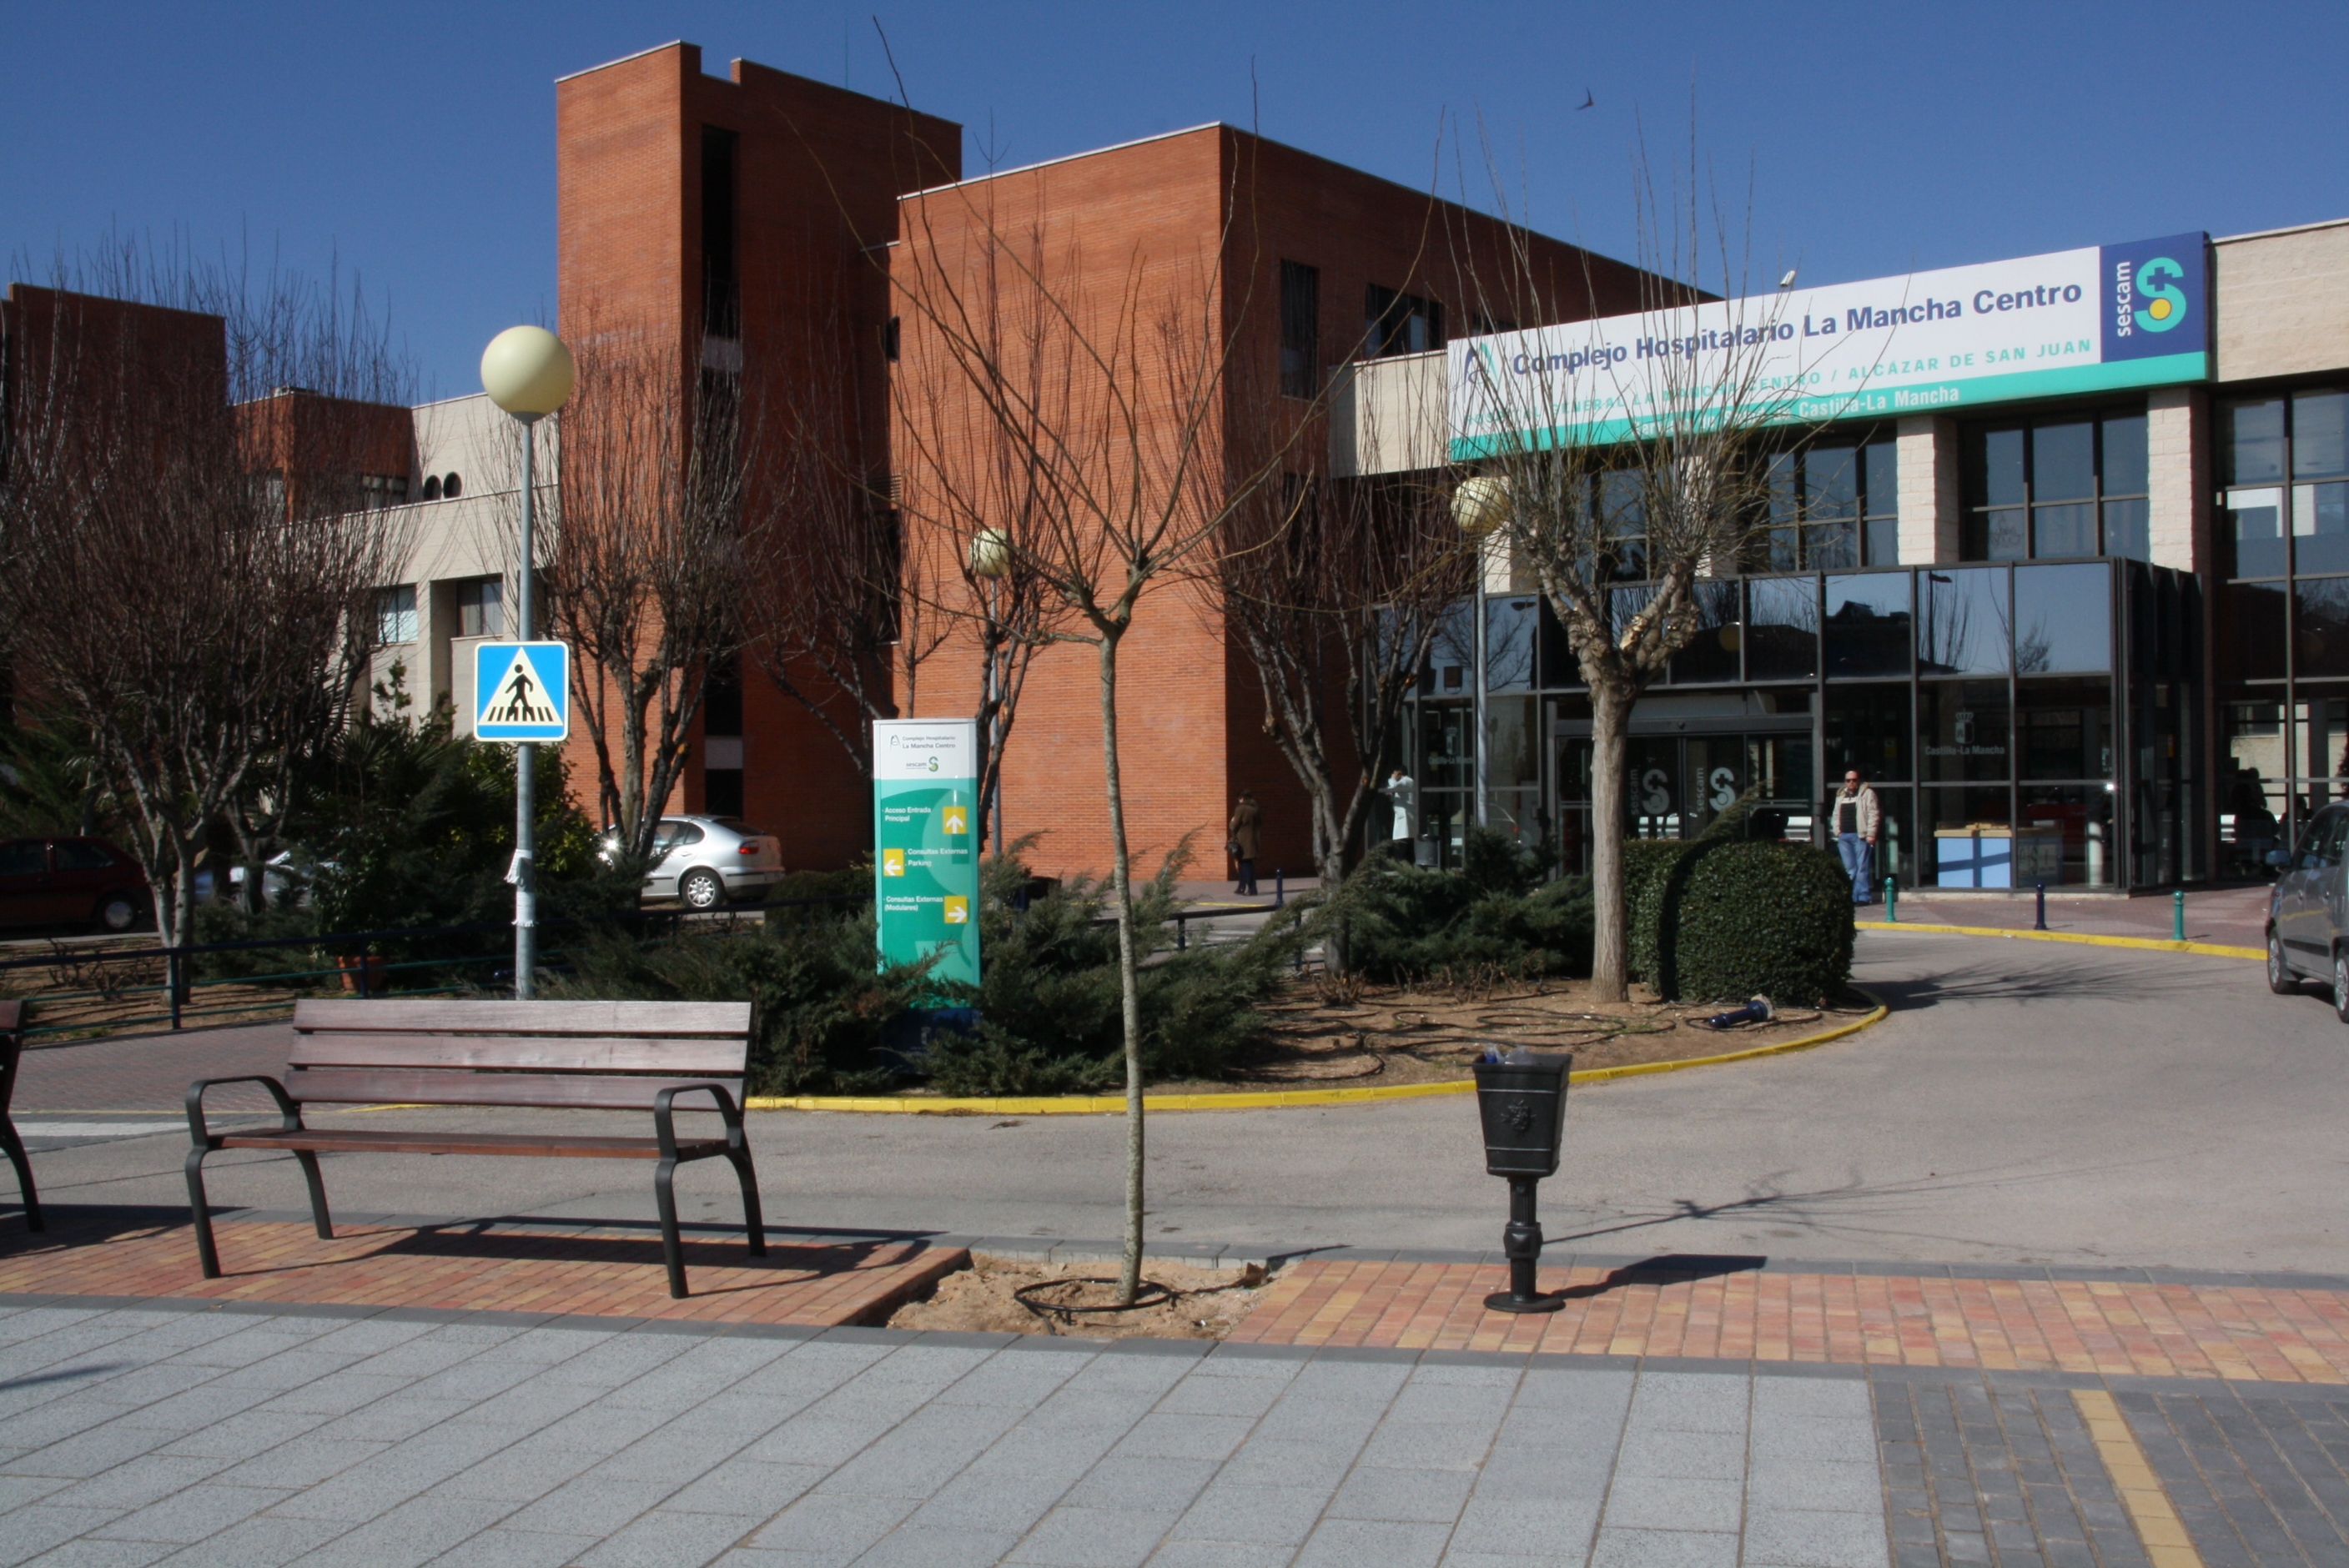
[(591, 1054)]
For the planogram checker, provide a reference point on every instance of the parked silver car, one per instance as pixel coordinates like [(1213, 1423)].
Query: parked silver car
[(2308, 910), (706, 861)]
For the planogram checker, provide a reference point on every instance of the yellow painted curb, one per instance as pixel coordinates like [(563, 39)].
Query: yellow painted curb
[(2208, 949), (1267, 1099)]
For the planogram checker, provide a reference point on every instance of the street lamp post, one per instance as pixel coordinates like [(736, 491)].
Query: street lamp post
[(990, 558), (527, 372)]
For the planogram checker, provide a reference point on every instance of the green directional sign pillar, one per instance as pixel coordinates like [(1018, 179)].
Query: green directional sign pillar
[(926, 842)]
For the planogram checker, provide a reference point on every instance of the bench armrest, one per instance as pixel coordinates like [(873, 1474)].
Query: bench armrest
[(664, 1117), (203, 1138)]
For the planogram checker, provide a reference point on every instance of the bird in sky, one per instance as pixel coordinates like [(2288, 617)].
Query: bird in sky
[(1587, 101)]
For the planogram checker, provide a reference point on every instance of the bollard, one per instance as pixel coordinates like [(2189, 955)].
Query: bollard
[(1892, 901), (1521, 1101), (2178, 915), (1279, 888), (2040, 924)]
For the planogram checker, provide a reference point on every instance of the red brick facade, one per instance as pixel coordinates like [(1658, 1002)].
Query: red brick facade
[(1204, 216)]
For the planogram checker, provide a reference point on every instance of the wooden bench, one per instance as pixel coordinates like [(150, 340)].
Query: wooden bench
[(12, 1050), (569, 1055)]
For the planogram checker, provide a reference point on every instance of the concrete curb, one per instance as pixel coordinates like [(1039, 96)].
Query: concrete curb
[(1270, 1100), (2208, 949)]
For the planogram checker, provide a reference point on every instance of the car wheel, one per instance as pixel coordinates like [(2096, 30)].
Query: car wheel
[(2341, 984), (701, 890), (2280, 979), (117, 911)]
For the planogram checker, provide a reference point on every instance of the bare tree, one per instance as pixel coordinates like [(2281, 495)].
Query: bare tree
[(1619, 471), (644, 557), (1337, 591), (192, 504), (1101, 385)]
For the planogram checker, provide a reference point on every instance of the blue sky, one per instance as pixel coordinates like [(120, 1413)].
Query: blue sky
[(415, 144)]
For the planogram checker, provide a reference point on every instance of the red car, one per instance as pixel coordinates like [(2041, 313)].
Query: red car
[(70, 881)]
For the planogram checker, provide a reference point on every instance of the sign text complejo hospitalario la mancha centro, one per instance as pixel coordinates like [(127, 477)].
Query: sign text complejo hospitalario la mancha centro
[(2097, 319)]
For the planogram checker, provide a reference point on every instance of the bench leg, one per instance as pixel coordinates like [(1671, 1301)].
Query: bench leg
[(207, 1253), (672, 1248), (23, 1164), (318, 1194), (751, 1220)]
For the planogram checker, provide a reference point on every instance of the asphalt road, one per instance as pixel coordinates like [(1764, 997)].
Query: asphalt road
[(2026, 1102)]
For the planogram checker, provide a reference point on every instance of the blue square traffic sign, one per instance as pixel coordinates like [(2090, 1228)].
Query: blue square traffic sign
[(521, 691)]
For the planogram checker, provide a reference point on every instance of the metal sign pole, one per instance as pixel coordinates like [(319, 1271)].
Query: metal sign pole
[(525, 754)]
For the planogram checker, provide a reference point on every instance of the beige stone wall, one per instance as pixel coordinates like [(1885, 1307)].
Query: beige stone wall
[(2177, 437), (1929, 490), (2282, 302), (1388, 416)]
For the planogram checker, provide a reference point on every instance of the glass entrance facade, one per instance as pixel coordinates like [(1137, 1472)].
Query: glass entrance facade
[(2022, 722)]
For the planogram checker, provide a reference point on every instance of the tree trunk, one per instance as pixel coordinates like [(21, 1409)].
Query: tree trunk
[(1128, 975), (1611, 954)]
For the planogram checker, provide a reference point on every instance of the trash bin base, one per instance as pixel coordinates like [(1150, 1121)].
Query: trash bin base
[(1501, 1301)]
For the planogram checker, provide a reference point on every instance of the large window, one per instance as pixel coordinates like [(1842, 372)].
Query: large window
[(2067, 486), (2286, 463), (1301, 330), (1835, 506), (1399, 323)]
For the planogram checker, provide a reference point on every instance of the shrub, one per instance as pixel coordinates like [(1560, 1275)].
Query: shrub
[(820, 1003), (1720, 920), (1403, 924), (1050, 1005)]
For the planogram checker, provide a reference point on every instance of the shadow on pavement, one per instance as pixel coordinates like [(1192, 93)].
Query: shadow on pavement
[(1669, 1268)]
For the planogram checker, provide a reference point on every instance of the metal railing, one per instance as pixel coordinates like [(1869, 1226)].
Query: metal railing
[(356, 963)]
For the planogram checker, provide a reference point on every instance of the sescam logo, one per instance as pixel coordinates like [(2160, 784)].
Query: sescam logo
[(2165, 305), (2151, 288)]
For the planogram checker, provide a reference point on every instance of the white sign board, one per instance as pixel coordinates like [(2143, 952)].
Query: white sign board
[(521, 691), (2090, 320)]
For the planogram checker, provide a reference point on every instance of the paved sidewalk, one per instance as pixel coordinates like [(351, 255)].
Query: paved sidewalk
[(246, 1435), (140, 1435), (2227, 917)]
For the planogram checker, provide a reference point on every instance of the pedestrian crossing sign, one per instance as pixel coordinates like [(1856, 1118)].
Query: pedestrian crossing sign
[(521, 691)]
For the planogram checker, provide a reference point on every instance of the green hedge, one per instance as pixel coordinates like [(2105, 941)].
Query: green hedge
[(1723, 919)]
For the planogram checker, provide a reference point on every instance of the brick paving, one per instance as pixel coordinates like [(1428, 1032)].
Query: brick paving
[(471, 1265), (2289, 1333)]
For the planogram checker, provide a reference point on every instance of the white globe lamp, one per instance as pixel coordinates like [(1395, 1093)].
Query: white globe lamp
[(527, 372), (1481, 505)]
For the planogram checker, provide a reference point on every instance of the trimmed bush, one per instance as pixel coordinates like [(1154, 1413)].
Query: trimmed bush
[(1720, 919)]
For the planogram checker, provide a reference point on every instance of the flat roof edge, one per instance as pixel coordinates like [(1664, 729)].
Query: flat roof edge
[(1064, 158), (624, 59), (2278, 233)]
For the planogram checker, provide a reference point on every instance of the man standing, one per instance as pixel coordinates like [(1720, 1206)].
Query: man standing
[(1405, 796), (1244, 834), (1857, 820)]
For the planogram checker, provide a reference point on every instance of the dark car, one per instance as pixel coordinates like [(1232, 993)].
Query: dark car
[(70, 881)]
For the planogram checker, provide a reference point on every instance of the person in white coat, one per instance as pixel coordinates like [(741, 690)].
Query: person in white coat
[(1405, 793)]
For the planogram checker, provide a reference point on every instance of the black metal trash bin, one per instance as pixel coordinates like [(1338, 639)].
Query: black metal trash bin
[(1521, 1100)]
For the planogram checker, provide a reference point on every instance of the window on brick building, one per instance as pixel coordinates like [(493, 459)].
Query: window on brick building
[(889, 341), (1301, 330), (2284, 461), (1399, 323), (721, 288)]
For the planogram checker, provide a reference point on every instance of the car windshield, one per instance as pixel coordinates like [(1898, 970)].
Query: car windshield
[(737, 825)]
